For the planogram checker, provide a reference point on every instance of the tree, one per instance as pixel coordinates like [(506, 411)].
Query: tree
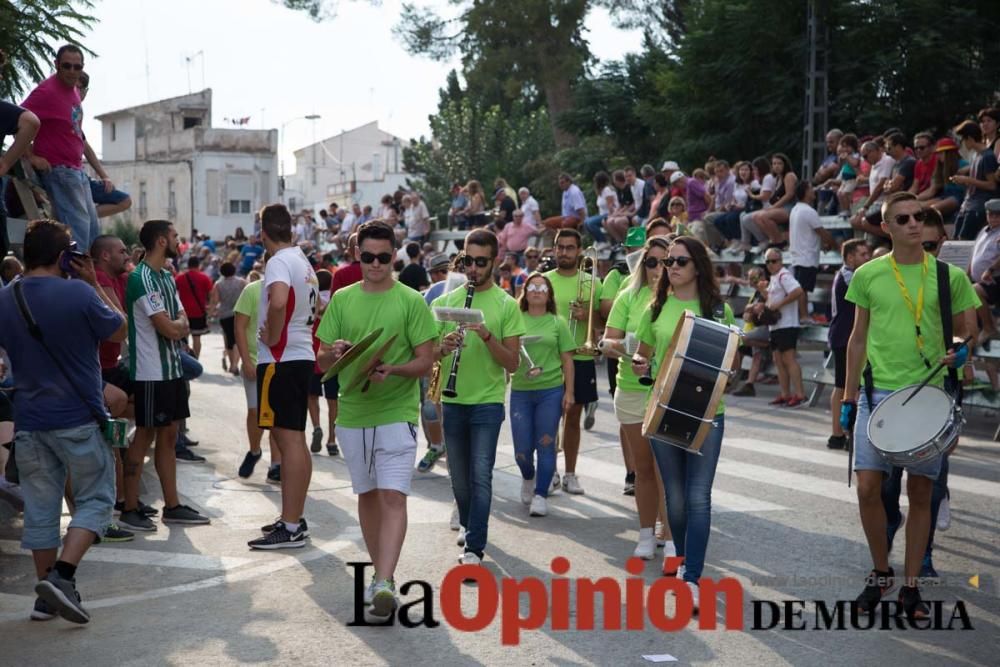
[(27, 29)]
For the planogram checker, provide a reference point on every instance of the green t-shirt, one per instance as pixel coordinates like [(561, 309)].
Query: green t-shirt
[(247, 304), (556, 339), (480, 378), (658, 334), (351, 315), (565, 293), (625, 315), (892, 336), (613, 285)]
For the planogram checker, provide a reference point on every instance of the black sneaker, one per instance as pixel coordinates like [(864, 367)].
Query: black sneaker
[(877, 585), (746, 390), (185, 515), (272, 526), (280, 538), (144, 509), (184, 441), (115, 534), (136, 520), (274, 474), (185, 455), (629, 485), (61, 597), (913, 606), (332, 449), (249, 463), (837, 442), (317, 442), (42, 611), (590, 416)]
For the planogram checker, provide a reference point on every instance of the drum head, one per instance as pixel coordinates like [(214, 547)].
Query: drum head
[(894, 427)]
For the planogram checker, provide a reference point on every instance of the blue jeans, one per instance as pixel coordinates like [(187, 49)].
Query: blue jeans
[(69, 190), (470, 436), (534, 423), (687, 479), (595, 225), (44, 458), (190, 367)]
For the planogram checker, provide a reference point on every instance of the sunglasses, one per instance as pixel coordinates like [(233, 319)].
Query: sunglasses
[(922, 147), (772, 261), (679, 261), (382, 257), (537, 287), (903, 218), (481, 262), (930, 246), (71, 66)]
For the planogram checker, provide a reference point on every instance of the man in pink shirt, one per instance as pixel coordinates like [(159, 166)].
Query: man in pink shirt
[(57, 152), (514, 237)]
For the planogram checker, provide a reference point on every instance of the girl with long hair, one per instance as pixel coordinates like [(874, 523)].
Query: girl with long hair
[(687, 283), (540, 391), (781, 201), (476, 210), (759, 194)]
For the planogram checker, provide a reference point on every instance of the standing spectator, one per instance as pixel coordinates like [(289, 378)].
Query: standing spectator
[(459, 202), (980, 182), (806, 235), (250, 254), (505, 209), (414, 275), (57, 151), (194, 288), (418, 219), (869, 216), (783, 293), (529, 207), (221, 302), (923, 170), (574, 206), (475, 212), (855, 252), (156, 326)]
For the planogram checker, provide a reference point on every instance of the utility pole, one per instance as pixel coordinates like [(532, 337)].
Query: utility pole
[(817, 99)]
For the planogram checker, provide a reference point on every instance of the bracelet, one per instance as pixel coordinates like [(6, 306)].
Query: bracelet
[(488, 338)]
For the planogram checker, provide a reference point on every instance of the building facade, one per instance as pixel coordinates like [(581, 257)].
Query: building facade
[(176, 166)]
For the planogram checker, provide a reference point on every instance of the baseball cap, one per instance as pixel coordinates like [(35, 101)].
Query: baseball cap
[(635, 237), (439, 261), (669, 164), (993, 205), (676, 176), (945, 144)]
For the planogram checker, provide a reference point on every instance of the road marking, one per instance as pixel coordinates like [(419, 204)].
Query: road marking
[(103, 554)]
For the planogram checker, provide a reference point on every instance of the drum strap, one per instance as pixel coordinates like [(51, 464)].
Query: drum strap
[(952, 385)]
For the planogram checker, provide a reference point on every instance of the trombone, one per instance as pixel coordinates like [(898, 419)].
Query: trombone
[(589, 348)]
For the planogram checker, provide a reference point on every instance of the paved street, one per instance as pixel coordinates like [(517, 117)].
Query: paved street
[(785, 525)]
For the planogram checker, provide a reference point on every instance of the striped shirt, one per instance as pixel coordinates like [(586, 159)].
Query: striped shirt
[(152, 357)]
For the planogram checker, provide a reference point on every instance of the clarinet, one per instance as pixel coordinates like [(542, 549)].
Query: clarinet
[(450, 391)]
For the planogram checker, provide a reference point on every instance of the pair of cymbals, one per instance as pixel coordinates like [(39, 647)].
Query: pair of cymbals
[(354, 353)]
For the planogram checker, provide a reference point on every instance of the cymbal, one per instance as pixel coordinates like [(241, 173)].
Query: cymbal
[(353, 352), (373, 361)]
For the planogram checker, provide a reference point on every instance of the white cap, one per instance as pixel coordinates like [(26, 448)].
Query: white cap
[(676, 176), (669, 165)]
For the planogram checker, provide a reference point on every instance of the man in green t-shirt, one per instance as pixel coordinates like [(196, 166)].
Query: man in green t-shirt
[(472, 417), (898, 328), (377, 421), (566, 280)]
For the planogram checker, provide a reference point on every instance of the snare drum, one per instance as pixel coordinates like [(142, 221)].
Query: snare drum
[(690, 382), (926, 427)]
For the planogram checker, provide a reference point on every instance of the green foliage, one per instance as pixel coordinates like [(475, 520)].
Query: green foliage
[(124, 230), (28, 28)]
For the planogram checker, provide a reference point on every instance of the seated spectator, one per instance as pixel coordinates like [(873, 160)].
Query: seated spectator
[(756, 336), (696, 195), (459, 202), (903, 171), (984, 269), (107, 199), (529, 207), (923, 170), (621, 217), (505, 208), (781, 201), (783, 293), (607, 201), (759, 195), (869, 217), (475, 212), (989, 122), (10, 268), (514, 238), (574, 206), (943, 194), (642, 191), (827, 171), (658, 207), (980, 183)]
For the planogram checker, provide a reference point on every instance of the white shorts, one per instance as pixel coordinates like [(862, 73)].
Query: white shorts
[(379, 457), (630, 406)]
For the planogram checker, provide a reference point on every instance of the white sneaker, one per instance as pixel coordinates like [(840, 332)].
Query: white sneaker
[(370, 591), (669, 550), (539, 506), (469, 558), (384, 600), (555, 486), (571, 484), (944, 514), (527, 490), (660, 541), (460, 540), (693, 587), (455, 525), (646, 547)]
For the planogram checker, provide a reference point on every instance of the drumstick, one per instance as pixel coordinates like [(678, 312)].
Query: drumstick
[(934, 372)]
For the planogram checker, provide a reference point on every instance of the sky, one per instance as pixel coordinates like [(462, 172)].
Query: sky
[(276, 65)]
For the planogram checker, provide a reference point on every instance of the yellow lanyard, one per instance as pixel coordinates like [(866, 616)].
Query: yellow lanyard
[(917, 312)]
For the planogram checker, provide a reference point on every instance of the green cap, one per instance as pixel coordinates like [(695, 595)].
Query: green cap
[(636, 237)]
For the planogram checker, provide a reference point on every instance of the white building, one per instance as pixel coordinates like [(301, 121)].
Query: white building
[(355, 166), (176, 166)]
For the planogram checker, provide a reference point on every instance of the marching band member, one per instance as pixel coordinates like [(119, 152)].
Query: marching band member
[(377, 427), (688, 283), (539, 397), (472, 417)]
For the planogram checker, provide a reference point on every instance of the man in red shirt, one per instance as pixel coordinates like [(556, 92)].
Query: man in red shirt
[(351, 273), (193, 288), (923, 148)]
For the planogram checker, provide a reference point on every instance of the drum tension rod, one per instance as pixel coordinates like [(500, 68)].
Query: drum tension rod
[(686, 414), (702, 363)]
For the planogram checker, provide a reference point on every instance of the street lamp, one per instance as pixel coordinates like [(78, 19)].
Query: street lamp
[(281, 138)]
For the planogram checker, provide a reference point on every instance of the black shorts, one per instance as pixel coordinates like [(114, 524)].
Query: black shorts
[(160, 403), (118, 377), (806, 276), (991, 291), (228, 325), (283, 394), (199, 326), (6, 408), (612, 365), (330, 388), (839, 367), (784, 339), (584, 381)]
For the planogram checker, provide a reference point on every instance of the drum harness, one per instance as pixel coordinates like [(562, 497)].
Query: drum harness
[(952, 385)]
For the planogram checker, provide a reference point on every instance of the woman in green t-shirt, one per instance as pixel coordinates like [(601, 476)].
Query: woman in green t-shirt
[(540, 391), (688, 283), (631, 396)]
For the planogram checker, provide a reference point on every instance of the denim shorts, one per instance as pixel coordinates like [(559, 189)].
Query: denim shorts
[(101, 196), (69, 191), (44, 458), (866, 457)]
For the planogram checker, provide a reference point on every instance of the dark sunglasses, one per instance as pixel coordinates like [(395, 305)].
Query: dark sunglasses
[(679, 261), (921, 147), (382, 257), (481, 262), (903, 218), (772, 261), (651, 262), (71, 66), (930, 246)]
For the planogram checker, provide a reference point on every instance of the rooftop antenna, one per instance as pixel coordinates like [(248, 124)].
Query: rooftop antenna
[(188, 60)]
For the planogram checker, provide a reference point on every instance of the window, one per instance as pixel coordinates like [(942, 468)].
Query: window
[(239, 206), (239, 192), (191, 121), (143, 208), (171, 199), (114, 131)]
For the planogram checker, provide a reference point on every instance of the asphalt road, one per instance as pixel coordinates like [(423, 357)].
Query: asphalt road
[(785, 525)]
